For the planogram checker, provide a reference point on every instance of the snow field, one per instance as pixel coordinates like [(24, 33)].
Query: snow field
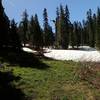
[(74, 55), (85, 53)]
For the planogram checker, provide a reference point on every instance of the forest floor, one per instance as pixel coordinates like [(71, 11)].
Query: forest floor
[(25, 76), (54, 80)]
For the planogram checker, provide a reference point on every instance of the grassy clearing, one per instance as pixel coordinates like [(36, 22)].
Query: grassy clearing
[(62, 80)]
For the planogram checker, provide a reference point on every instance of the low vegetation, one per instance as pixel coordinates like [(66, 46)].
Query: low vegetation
[(61, 80)]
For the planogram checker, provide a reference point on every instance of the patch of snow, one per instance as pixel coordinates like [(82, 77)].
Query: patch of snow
[(87, 54), (26, 44), (28, 50), (74, 55), (85, 48)]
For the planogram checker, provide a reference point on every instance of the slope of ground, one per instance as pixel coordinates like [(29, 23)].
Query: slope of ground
[(62, 80)]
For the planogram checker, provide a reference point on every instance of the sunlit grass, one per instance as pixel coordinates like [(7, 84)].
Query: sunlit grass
[(60, 81)]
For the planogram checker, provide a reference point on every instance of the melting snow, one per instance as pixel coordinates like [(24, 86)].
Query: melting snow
[(28, 50), (84, 54)]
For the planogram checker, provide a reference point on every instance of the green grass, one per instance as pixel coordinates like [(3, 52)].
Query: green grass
[(60, 81)]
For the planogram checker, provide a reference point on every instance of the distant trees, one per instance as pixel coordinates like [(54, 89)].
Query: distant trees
[(98, 30), (8, 31), (14, 39), (76, 34), (85, 34), (67, 27), (90, 27), (47, 31), (66, 33), (71, 36), (25, 26), (4, 27), (36, 33), (57, 29), (45, 25), (62, 27), (29, 31)]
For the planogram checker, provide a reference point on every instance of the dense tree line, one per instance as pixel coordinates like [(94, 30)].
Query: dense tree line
[(29, 31), (66, 33), (98, 29), (8, 31), (77, 33)]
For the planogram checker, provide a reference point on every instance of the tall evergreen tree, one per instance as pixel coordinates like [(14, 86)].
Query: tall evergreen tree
[(14, 37), (94, 28), (80, 30), (25, 26), (63, 27), (37, 33), (98, 30), (47, 30), (4, 27), (90, 28), (77, 34), (45, 35), (57, 28), (85, 34), (71, 36), (51, 36), (31, 29), (67, 27), (20, 32)]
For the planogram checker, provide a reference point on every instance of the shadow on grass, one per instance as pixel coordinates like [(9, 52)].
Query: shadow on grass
[(21, 58), (7, 90)]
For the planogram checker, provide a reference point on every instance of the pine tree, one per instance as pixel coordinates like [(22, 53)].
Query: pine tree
[(71, 36), (51, 37), (47, 30), (90, 28), (67, 27), (64, 28), (37, 33), (14, 37), (20, 32), (25, 27), (31, 29), (94, 28), (45, 25), (57, 26), (45, 35), (80, 30), (98, 30), (85, 34), (4, 27), (75, 33)]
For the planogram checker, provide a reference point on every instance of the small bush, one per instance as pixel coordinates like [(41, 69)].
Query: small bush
[(89, 72)]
